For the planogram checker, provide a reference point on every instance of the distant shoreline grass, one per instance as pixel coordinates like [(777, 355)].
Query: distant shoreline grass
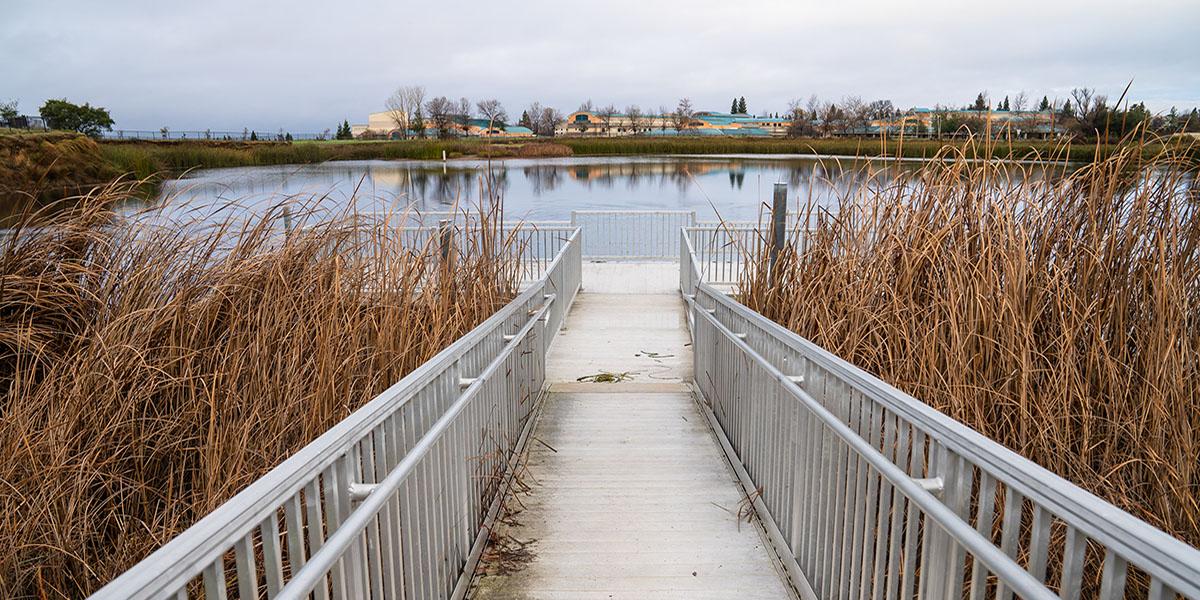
[(148, 158), (76, 160)]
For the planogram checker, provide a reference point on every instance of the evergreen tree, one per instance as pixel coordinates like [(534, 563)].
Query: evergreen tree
[(1003, 105), (525, 120), (288, 137), (741, 105), (981, 102), (733, 107), (1045, 104)]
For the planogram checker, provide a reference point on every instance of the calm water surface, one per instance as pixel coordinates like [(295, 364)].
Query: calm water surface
[(539, 189)]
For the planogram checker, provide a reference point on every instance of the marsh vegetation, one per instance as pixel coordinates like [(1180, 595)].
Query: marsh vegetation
[(1057, 316), (152, 370)]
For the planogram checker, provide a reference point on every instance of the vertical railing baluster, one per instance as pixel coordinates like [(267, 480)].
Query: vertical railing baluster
[(247, 572)]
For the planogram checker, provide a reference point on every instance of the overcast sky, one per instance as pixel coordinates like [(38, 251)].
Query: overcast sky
[(305, 65)]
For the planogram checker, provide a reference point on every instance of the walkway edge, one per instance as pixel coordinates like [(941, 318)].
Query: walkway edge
[(779, 549), (467, 578)]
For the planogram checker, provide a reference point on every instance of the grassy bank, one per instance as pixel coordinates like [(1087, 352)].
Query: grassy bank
[(55, 165), (147, 377), (144, 159), (38, 168), (864, 147), (1057, 318), (147, 159)]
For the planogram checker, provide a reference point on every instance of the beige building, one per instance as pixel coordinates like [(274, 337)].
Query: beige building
[(383, 125), (591, 123)]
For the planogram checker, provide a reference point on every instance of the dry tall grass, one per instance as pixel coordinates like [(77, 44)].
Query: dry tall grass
[(1058, 315), (150, 373)]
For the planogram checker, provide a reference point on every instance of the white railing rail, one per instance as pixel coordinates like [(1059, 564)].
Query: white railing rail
[(631, 234), (868, 492), (391, 500)]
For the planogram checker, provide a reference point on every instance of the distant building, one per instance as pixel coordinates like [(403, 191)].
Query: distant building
[(383, 125), (1033, 124), (592, 123)]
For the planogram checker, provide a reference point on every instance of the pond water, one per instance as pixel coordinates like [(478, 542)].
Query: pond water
[(540, 189)]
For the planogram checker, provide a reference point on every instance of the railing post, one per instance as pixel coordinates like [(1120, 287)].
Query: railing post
[(778, 225)]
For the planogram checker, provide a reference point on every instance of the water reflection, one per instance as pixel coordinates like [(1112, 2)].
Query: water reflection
[(546, 189)]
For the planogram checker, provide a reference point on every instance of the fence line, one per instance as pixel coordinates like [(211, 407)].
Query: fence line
[(239, 136)]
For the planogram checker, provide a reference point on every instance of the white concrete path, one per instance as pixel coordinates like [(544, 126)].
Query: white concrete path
[(628, 493)]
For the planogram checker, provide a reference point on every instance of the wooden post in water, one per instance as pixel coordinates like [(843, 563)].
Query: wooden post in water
[(778, 225)]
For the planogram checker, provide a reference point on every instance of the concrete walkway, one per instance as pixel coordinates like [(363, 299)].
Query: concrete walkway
[(625, 492)]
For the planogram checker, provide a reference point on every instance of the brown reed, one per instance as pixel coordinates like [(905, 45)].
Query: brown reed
[(151, 372), (1054, 309)]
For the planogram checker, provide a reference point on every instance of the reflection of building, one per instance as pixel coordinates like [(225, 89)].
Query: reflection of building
[(592, 123), (597, 172), (383, 124)]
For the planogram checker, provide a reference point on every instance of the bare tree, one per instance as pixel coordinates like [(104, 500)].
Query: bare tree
[(441, 113), (1020, 101), (606, 115), (534, 110), (663, 113), (855, 113), (881, 109), (831, 118), (813, 105), (493, 111), (799, 123), (1083, 98), (403, 106), (636, 120), (682, 117), (549, 120), (586, 106)]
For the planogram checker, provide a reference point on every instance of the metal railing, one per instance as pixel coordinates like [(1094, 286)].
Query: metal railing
[(866, 492), (391, 501), (624, 234), (532, 246), (722, 249)]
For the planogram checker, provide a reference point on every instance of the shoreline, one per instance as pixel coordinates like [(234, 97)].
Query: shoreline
[(57, 161)]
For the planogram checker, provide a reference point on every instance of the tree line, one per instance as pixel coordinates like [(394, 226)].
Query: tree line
[(1083, 114), (413, 114)]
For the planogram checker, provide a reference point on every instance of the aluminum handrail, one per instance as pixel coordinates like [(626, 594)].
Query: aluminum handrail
[(978, 478), (1000, 563), (628, 235), (321, 564), (314, 489)]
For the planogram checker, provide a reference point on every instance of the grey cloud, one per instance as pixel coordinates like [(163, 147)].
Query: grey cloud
[(305, 65)]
